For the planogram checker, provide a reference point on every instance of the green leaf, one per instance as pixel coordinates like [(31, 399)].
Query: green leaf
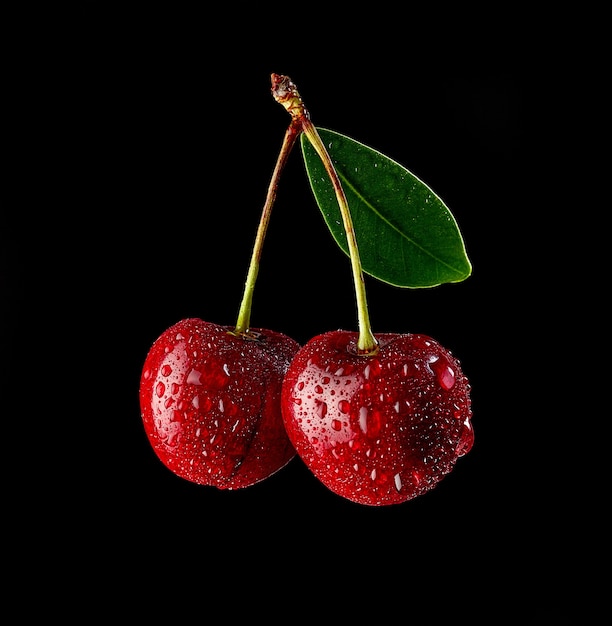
[(405, 233)]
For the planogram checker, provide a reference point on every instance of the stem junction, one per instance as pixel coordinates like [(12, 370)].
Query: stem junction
[(285, 93)]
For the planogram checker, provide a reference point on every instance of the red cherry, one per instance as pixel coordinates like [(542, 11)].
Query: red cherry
[(378, 429), (210, 402)]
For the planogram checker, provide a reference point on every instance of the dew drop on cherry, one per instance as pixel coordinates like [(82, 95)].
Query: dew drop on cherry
[(194, 377), (344, 406), (466, 439), (445, 374), (397, 479), (363, 419), (168, 402)]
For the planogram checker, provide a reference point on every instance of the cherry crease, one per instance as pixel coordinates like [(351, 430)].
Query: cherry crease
[(210, 402), (378, 429)]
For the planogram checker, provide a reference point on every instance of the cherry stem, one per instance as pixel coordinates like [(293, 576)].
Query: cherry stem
[(286, 93), (244, 315)]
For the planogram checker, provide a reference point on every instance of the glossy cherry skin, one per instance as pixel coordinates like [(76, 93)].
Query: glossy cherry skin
[(381, 429), (210, 403)]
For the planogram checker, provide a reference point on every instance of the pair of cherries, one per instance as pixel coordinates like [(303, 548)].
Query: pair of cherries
[(228, 410)]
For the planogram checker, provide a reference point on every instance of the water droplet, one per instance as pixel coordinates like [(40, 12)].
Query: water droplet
[(398, 481), (322, 410), (363, 419), (336, 424), (375, 368), (344, 406), (166, 370), (194, 378), (445, 374), (160, 389), (466, 439), (196, 402), (226, 369)]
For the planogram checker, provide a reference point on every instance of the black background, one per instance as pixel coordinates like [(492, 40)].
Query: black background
[(147, 138)]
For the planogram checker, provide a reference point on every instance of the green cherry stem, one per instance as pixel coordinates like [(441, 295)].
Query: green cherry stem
[(286, 94), (244, 314)]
